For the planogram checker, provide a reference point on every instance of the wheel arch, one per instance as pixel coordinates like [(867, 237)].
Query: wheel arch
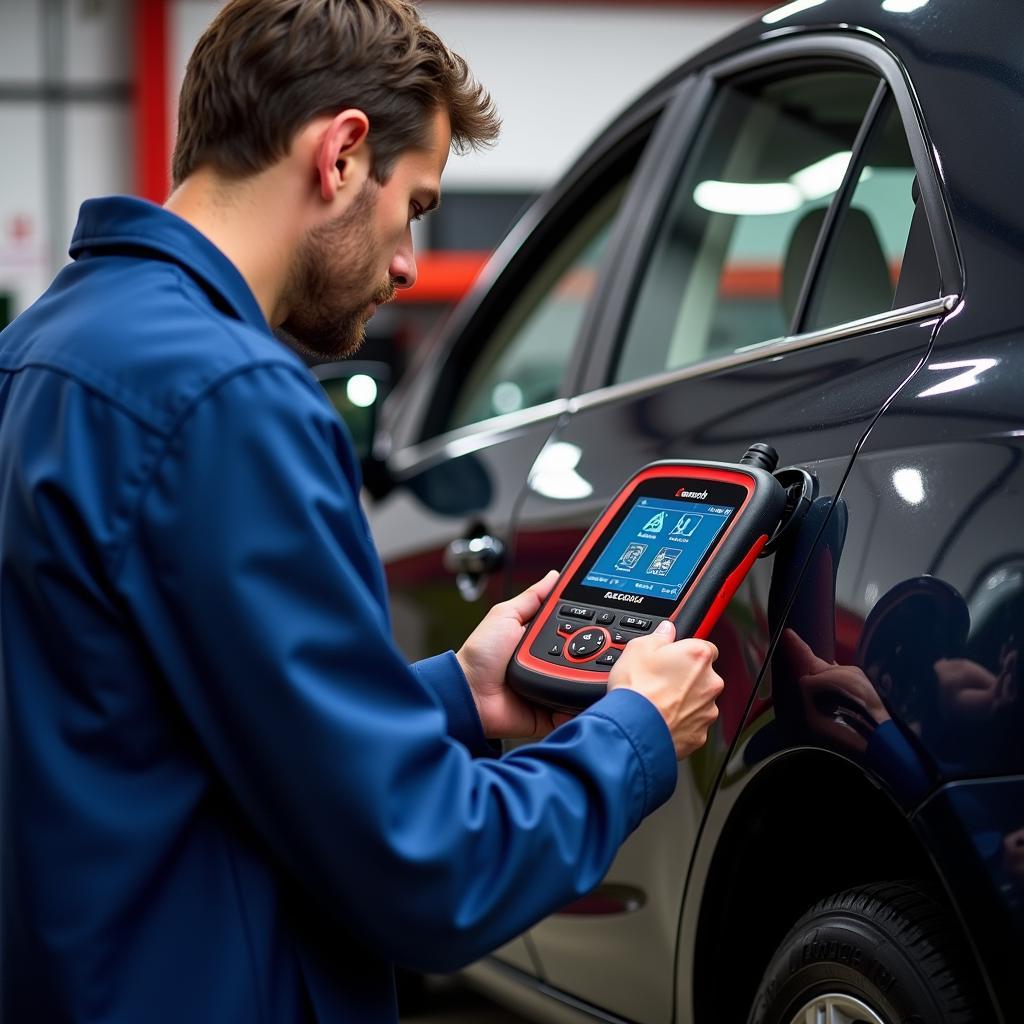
[(808, 824)]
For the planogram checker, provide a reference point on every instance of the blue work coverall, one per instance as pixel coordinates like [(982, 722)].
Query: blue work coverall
[(225, 796)]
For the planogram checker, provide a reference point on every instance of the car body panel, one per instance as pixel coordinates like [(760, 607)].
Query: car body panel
[(788, 403), (909, 560)]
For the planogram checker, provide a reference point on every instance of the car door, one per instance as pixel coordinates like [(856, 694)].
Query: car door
[(459, 437), (781, 282)]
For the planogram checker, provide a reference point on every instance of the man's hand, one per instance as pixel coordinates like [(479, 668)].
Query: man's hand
[(484, 658), (677, 677)]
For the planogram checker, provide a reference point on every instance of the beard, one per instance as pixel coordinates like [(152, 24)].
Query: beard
[(330, 285)]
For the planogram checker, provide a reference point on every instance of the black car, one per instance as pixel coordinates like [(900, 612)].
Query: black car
[(811, 235)]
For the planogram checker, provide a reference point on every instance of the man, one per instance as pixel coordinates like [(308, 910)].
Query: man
[(225, 796)]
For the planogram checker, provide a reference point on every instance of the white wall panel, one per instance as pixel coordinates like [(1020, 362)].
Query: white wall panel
[(98, 155), (24, 270), (21, 51), (96, 40)]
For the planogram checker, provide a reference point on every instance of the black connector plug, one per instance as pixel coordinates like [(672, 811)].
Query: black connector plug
[(763, 456)]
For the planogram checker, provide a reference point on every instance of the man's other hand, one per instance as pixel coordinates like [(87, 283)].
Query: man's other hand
[(484, 658)]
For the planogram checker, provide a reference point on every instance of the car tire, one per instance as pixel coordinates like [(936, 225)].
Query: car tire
[(885, 953)]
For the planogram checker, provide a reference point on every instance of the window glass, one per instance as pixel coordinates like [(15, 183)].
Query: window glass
[(527, 353), (729, 262), (880, 255)]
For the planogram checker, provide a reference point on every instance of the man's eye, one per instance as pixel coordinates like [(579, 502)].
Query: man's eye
[(417, 212)]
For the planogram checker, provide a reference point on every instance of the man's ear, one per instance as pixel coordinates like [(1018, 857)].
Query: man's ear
[(343, 156)]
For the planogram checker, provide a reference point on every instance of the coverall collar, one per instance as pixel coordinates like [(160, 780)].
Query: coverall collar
[(124, 222)]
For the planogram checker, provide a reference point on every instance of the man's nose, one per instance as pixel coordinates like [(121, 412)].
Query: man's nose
[(403, 264)]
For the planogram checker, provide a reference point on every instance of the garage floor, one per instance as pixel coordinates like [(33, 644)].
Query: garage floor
[(446, 1002)]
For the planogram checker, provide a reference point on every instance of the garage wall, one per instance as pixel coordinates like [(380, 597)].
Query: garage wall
[(65, 122), (558, 72)]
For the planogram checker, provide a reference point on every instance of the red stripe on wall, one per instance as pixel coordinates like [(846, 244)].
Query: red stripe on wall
[(444, 276), (152, 156)]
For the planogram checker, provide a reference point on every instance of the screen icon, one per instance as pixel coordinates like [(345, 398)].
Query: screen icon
[(687, 525), (663, 561), (656, 523), (628, 559)]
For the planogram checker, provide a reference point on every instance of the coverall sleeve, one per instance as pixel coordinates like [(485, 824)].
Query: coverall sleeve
[(253, 582), (443, 676)]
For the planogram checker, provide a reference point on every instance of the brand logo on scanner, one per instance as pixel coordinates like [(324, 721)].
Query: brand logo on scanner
[(631, 598), (699, 495)]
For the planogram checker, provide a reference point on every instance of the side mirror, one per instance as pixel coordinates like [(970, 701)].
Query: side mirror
[(356, 390)]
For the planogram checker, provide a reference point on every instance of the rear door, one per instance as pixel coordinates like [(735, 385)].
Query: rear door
[(780, 285)]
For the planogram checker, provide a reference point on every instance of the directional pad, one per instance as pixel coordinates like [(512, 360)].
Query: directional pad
[(587, 643)]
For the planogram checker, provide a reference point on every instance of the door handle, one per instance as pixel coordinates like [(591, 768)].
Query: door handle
[(473, 559)]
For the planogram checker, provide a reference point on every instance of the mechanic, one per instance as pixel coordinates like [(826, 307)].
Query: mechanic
[(225, 795)]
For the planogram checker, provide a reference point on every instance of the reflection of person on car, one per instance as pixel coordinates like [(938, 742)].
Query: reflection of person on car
[(845, 705), (970, 692), (842, 707)]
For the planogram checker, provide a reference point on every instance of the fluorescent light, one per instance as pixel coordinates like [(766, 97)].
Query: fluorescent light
[(738, 197), (794, 8), (909, 485), (902, 6), (822, 178), (361, 390), (742, 198), (971, 370)]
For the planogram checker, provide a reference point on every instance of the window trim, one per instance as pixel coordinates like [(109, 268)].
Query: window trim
[(852, 48), (474, 437), (927, 313), (511, 261)]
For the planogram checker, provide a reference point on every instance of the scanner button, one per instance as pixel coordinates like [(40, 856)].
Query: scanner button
[(618, 638), (555, 650), (583, 645), (574, 612), (568, 628), (608, 659), (606, 618), (634, 622)]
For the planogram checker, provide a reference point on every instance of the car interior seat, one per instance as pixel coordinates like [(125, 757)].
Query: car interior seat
[(855, 271)]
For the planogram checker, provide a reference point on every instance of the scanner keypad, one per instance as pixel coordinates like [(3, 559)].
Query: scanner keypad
[(585, 641)]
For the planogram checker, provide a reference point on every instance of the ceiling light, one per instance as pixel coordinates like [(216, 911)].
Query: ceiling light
[(971, 370), (507, 396), (902, 6), (739, 197), (744, 198), (790, 9), (361, 390), (554, 473), (909, 485), (822, 178)]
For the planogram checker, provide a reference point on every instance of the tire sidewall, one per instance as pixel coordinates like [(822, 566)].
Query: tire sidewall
[(838, 953)]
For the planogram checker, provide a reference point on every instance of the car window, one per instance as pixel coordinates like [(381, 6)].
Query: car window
[(729, 261), (880, 253), (527, 350)]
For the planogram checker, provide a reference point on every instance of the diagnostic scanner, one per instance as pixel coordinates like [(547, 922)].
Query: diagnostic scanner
[(675, 543)]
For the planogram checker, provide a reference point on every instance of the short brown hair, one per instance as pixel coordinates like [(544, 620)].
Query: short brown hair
[(265, 68)]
